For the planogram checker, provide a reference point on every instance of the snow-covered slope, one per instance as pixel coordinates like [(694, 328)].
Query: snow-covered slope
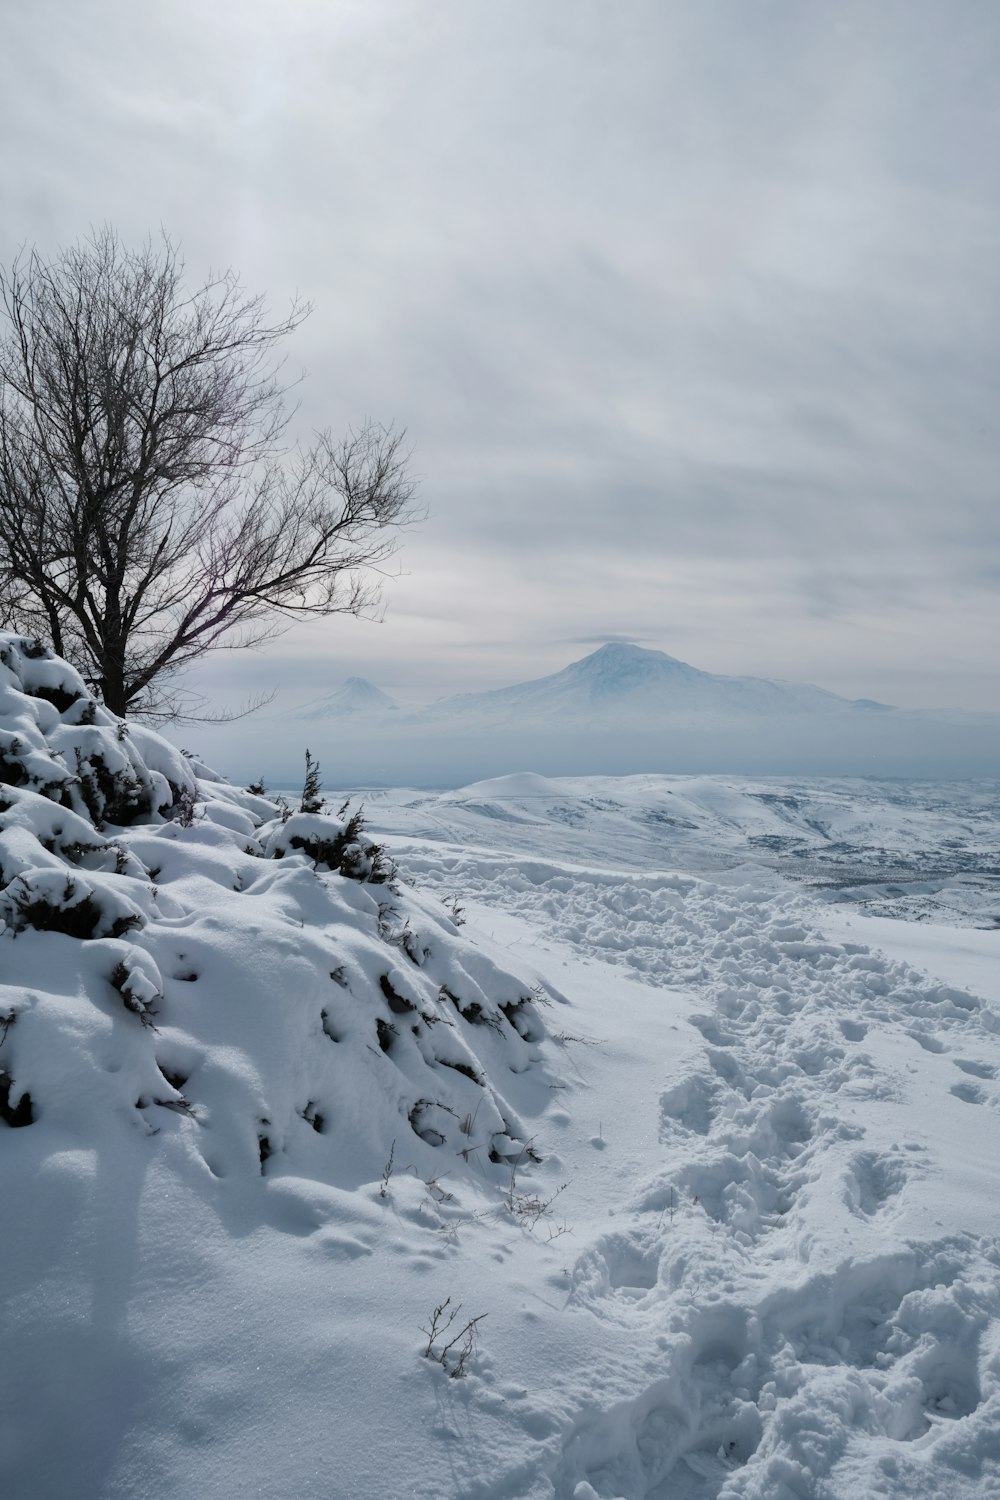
[(239, 1001), (304, 1196), (923, 849), (356, 696), (216, 916)]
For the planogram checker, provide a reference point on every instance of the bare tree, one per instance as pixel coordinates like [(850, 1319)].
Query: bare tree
[(150, 510)]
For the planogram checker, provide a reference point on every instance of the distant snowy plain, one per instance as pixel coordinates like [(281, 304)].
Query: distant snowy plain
[(749, 1029)]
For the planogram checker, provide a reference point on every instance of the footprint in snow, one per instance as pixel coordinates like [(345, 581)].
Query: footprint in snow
[(689, 1105), (977, 1069), (712, 1031), (928, 1042), (621, 1265), (743, 1193), (682, 1437), (888, 1349), (729, 1070), (871, 1182)]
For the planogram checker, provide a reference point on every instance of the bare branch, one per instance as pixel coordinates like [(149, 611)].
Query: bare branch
[(150, 509)]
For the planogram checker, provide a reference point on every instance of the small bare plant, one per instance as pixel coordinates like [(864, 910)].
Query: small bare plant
[(468, 1121), (404, 936), (556, 1231), (455, 911), (528, 1209), (387, 926), (442, 1320), (387, 1171), (436, 1191)]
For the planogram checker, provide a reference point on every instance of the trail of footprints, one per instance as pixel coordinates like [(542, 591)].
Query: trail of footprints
[(765, 1375), (764, 1402), (757, 1392)]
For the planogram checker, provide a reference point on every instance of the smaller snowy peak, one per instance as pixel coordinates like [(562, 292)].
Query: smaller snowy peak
[(357, 695)]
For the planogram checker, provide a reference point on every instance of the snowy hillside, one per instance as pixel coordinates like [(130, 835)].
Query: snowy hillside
[(229, 998), (207, 913), (569, 1142), (925, 850), (622, 710)]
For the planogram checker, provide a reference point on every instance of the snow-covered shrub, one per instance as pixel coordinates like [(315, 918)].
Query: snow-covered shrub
[(299, 1013), (15, 1105), (56, 740), (332, 844), (49, 901), (137, 979)]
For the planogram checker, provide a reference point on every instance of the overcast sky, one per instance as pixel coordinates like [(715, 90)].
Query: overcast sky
[(691, 308)]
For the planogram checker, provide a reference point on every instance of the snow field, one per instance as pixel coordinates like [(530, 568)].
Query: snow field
[(265, 1105), (922, 850), (810, 1279)]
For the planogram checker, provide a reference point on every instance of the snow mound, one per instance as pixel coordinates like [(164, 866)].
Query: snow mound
[(518, 784), (203, 974)]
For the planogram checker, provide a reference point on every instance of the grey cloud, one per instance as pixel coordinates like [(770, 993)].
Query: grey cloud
[(690, 310), (604, 640)]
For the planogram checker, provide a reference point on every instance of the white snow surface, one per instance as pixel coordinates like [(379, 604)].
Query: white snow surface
[(286, 1112)]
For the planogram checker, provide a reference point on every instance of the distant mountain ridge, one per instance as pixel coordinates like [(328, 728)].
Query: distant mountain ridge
[(615, 679), (623, 710), (639, 681)]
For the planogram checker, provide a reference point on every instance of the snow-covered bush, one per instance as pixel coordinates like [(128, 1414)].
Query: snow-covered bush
[(331, 843), (55, 740), (51, 902), (246, 987)]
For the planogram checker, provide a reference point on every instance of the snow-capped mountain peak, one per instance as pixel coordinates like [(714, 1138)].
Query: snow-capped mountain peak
[(356, 695), (624, 679), (619, 668)]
